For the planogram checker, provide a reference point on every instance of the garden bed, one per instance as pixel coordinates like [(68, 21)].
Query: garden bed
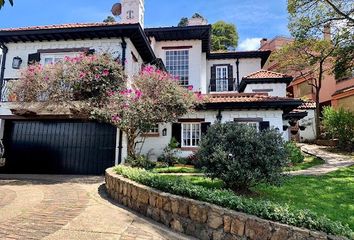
[(224, 198), (176, 169)]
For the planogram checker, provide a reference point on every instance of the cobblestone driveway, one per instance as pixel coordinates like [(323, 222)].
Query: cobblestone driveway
[(68, 207)]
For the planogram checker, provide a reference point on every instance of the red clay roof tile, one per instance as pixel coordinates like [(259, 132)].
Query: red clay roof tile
[(266, 74)]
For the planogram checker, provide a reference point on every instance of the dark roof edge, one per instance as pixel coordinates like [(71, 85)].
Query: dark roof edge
[(287, 105), (78, 30), (155, 29), (264, 55)]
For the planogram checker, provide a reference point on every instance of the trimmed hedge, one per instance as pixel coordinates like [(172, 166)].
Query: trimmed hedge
[(228, 199)]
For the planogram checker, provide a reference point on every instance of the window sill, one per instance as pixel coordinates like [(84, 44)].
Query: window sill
[(189, 148), (150, 135)]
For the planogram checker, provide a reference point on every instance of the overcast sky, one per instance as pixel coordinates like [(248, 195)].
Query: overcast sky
[(255, 19)]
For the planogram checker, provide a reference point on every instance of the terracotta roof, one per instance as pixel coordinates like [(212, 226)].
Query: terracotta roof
[(266, 74), (309, 104), (60, 26), (244, 97)]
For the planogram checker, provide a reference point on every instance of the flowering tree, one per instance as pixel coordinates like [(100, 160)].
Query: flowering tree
[(154, 97), (82, 79)]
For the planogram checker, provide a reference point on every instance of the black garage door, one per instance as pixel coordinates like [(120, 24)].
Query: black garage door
[(58, 147)]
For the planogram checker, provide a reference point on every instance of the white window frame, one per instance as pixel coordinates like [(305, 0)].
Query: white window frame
[(177, 64), (221, 80), (55, 57), (253, 124), (191, 130), (155, 129)]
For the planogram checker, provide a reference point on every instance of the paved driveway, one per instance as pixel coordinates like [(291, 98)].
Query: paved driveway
[(68, 207)]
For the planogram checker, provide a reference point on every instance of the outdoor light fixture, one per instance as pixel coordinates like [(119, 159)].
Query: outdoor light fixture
[(16, 63), (164, 132)]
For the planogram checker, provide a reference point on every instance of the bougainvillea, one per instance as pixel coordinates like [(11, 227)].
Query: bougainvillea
[(81, 78), (154, 96)]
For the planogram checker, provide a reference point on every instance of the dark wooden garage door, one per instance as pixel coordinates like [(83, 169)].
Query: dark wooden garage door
[(58, 147)]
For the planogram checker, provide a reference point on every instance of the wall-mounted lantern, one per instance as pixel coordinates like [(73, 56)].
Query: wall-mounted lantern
[(285, 127), (16, 63), (164, 132), (219, 116)]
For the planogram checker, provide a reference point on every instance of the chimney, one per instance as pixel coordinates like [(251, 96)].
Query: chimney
[(264, 41), (327, 32), (133, 12)]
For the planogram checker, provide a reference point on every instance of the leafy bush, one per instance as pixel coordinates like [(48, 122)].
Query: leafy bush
[(241, 156), (169, 153), (225, 198), (140, 161), (340, 124), (294, 153)]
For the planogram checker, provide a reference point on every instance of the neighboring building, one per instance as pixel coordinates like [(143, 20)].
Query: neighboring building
[(236, 87)]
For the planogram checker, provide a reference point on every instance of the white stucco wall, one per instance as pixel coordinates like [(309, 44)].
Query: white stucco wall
[(100, 45), (197, 60), (246, 67), (154, 145), (309, 134), (279, 89)]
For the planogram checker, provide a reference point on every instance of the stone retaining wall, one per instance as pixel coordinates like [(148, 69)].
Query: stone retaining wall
[(200, 219)]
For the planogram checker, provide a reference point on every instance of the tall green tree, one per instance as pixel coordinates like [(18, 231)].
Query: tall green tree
[(311, 18), (109, 19), (183, 22), (310, 59), (223, 36), (2, 3)]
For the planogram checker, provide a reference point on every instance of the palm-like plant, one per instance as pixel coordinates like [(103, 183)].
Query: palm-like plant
[(2, 3)]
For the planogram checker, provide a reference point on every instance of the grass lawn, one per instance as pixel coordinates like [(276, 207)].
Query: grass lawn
[(176, 169), (309, 161), (331, 195)]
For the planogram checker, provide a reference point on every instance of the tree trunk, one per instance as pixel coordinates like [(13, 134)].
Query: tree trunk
[(131, 137), (317, 115)]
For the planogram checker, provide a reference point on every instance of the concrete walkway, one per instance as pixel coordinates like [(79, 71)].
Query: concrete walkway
[(69, 207), (333, 161)]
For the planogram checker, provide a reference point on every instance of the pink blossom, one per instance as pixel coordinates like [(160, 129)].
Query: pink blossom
[(97, 76), (116, 118), (82, 75), (105, 72), (190, 87), (199, 95), (110, 93)]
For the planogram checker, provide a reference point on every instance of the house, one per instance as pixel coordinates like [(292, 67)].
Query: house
[(334, 92), (237, 87)]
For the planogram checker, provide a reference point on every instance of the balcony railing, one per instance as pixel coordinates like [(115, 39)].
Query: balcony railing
[(223, 85), (5, 89)]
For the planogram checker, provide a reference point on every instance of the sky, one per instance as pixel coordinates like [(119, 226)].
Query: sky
[(254, 19)]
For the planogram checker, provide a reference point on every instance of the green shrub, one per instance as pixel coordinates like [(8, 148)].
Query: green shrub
[(140, 161), (340, 124), (294, 153), (169, 153), (241, 156), (228, 199)]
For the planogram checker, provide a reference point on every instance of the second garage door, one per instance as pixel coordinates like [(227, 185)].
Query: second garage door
[(58, 147)]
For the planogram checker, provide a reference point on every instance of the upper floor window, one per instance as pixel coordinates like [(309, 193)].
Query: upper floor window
[(177, 64), (222, 80)]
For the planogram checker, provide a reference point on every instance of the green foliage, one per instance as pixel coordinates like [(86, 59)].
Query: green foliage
[(140, 161), (317, 193), (183, 22), (308, 19), (228, 199), (109, 19), (241, 156), (169, 153), (2, 3), (294, 153), (340, 124), (223, 36), (307, 163), (176, 169)]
